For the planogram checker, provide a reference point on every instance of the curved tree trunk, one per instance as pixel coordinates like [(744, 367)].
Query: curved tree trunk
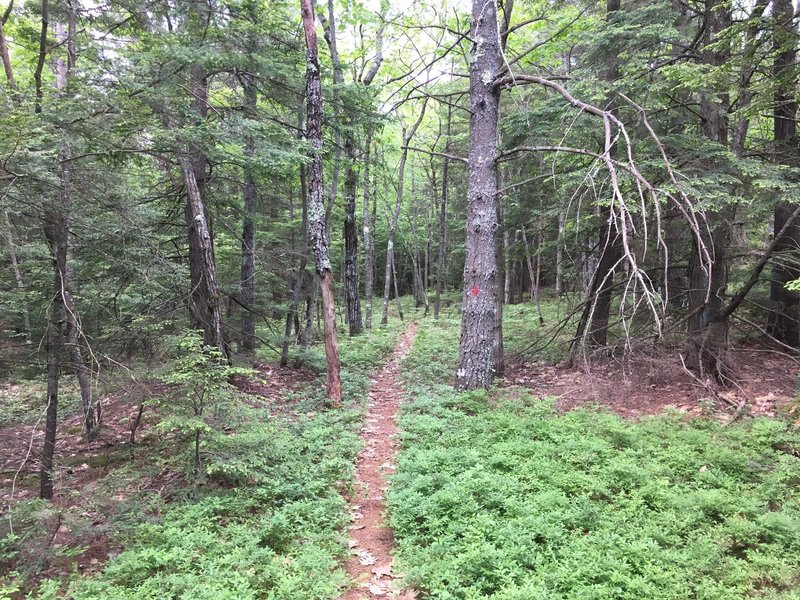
[(209, 304)]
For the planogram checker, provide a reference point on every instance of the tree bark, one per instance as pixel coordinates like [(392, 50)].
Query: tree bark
[(56, 235), (316, 207), (12, 253), (5, 56), (476, 358), (351, 271), (209, 303), (598, 302), (329, 32), (247, 339), (395, 217), (708, 327), (369, 246), (441, 273), (784, 318)]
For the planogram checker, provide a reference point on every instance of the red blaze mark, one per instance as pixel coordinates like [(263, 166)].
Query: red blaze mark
[(475, 291)]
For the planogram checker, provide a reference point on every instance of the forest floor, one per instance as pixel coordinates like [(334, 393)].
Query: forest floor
[(581, 483), (646, 384), (415, 491)]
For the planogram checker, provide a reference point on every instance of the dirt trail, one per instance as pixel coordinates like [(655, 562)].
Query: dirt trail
[(371, 539)]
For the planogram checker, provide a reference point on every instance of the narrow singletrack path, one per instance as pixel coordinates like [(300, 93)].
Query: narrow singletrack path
[(372, 541)]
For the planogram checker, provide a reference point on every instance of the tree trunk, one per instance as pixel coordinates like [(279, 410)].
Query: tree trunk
[(397, 290), (292, 314), (247, 339), (560, 255), (209, 303), (440, 263), (369, 258), (351, 283), (311, 310), (476, 359), (599, 298), (401, 173), (708, 327), (537, 284), (317, 225), (12, 253), (784, 318), (5, 56), (329, 28), (56, 235)]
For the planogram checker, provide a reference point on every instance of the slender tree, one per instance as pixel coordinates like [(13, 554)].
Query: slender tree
[(784, 318), (317, 225), (441, 272), (408, 135)]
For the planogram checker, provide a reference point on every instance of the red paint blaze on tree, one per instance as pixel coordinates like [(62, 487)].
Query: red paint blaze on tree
[(479, 317)]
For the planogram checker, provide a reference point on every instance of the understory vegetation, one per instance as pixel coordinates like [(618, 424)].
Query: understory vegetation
[(263, 519), (499, 495)]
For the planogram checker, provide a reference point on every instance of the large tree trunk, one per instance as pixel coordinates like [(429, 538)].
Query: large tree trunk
[(56, 231), (317, 225), (247, 338), (198, 307), (476, 358), (784, 318)]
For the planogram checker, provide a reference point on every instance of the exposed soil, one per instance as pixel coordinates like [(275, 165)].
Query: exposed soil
[(639, 384), (370, 567), (79, 461)]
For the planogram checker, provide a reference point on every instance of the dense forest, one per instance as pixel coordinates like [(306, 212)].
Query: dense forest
[(530, 270)]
